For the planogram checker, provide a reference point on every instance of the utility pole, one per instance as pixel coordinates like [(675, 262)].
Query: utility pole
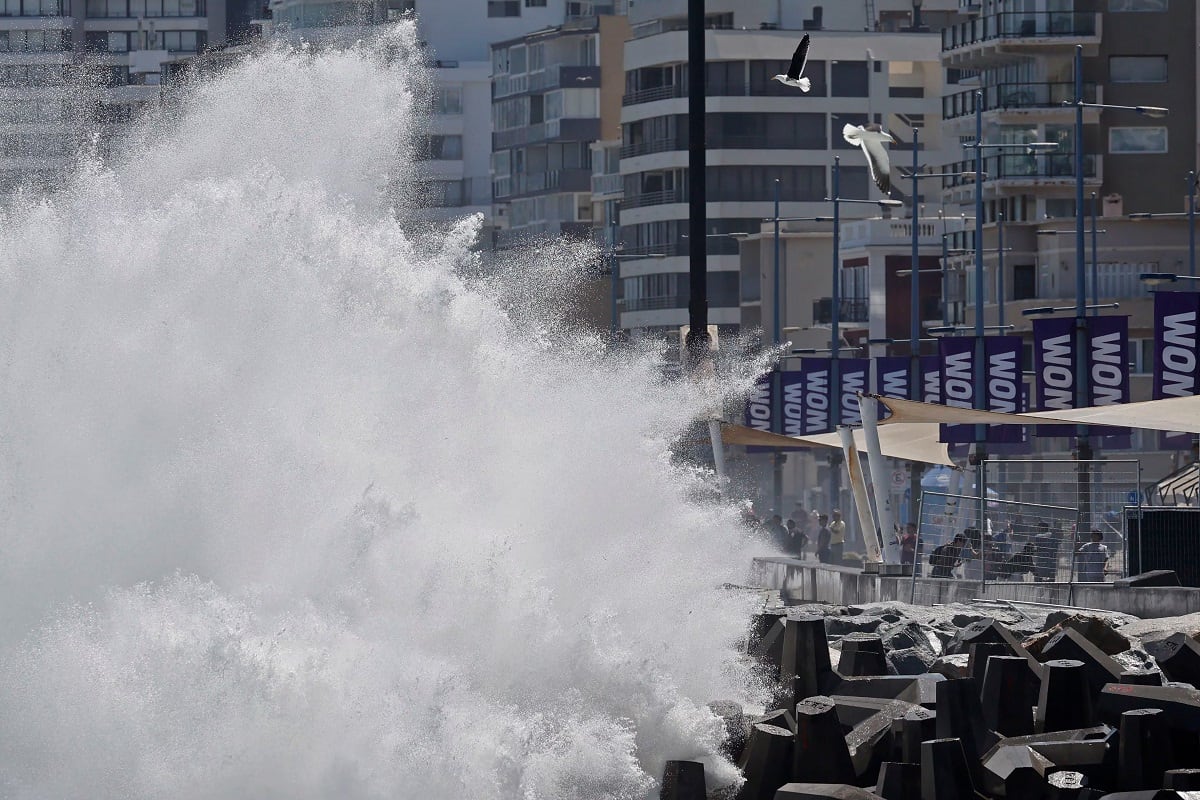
[(697, 338)]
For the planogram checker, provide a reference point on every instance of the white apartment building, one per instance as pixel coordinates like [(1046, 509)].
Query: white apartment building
[(758, 132), (70, 68)]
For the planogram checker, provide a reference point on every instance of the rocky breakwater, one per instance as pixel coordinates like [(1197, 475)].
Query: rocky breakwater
[(911, 703)]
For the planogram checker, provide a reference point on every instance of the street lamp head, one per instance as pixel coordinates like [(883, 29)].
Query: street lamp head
[(1157, 278), (889, 203), (941, 329), (1040, 147), (1037, 312), (1154, 112)]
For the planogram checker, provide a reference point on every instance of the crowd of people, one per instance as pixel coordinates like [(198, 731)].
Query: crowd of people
[(1009, 552)]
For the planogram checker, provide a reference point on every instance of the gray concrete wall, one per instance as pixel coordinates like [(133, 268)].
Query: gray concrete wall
[(812, 582)]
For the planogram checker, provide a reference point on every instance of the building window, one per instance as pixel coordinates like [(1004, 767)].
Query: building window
[(1137, 69), (1024, 282), (1137, 140), (1137, 5), (444, 148), (504, 8), (33, 41), (849, 79), (397, 9), (535, 3), (448, 100)]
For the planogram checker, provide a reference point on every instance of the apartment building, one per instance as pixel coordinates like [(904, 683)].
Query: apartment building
[(1016, 58), (555, 92), (758, 132), (70, 69)]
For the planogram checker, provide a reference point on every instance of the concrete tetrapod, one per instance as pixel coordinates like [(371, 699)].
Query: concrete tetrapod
[(766, 762), (1016, 771), (820, 754), (944, 771), (862, 655), (918, 725), (1185, 780), (899, 781), (1067, 785), (1180, 706), (1142, 677), (1099, 667), (979, 652), (1144, 750), (805, 660), (1065, 699), (1180, 659), (1008, 695), (683, 780), (823, 791), (960, 716)]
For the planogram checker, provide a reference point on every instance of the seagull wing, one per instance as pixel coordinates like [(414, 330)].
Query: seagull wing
[(799, 59), (878, 162)]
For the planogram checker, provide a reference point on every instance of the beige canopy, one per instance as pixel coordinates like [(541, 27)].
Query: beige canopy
[(911, 432), (910, 442), (1175, 414)]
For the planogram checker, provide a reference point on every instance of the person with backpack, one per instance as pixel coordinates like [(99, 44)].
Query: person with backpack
[(946, 557)]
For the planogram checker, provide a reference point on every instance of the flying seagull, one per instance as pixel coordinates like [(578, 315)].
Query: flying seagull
[(871, 139), (796, 69)]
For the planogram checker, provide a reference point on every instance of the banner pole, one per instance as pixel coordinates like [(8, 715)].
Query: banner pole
[(869, 409), (858, 487)]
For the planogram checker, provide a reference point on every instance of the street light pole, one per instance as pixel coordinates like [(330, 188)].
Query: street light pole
[(777, 456), (1191, 179), (945, 282), (1095, 262), (1000, 270), (835, 377), (1084, 448), (914, 331), (697, 343), (980, 346), (614, 277)]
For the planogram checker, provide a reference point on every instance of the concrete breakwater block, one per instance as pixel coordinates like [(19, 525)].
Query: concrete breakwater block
[(1016, 771), (1144, 749), (1154, 577), (1181, 707), (945, 774), (916, 726), (1065, 699), (1142, 677), (1067, 785), (780, 718), (899, 781), (737, 727), (978, 655), (805, 660), (1099, 667), (862, 655), (683, 780), (766, 762), (821, 754), (1008, 695), (984, 631), (1184, 780), (823, 791), (1179, 658), (960, 716)]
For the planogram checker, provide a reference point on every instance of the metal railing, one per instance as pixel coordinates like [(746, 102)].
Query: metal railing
[(1021, 25), (611, 183), (651, 303), (651, 146), (655, 198), (1036, 166), (751, 88), (850, 309), (1006, 96)]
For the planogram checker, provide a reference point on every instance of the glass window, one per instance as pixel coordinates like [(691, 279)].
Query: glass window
[(1137, 140), (118, 41), (170, 8), (1137, 5), (449, 100), (849, 79), (116, 8), (516, 60), (1137, 69), (504, 8), (535, 3)]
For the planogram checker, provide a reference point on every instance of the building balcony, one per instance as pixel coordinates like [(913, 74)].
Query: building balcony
[(555, 180), (1016, 97), (1025, 171), (570, 76), (850, 309), (608, 186), (655, 198), (1012, 33), (768, 88), (569, 130)]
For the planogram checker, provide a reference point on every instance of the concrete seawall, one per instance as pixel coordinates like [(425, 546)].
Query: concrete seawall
[(810, 581)]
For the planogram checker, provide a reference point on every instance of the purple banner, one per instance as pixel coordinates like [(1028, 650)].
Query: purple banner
[(931, 379), (1176, 355), (792, 386), (892, 376), (1054, 369), (1108, 374), (758, 410), (814, 374), (1003, 384), (1021, 445), (958, 384), (854, 377)]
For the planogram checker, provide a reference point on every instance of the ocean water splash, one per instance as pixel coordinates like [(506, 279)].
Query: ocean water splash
[(296, 508)]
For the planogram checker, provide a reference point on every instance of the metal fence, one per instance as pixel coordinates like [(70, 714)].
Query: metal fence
[(1020, 542)]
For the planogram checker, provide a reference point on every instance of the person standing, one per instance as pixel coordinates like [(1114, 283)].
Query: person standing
[(824, 537), (908, 544), (837, 541), (1091, 557), (945, 558)]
